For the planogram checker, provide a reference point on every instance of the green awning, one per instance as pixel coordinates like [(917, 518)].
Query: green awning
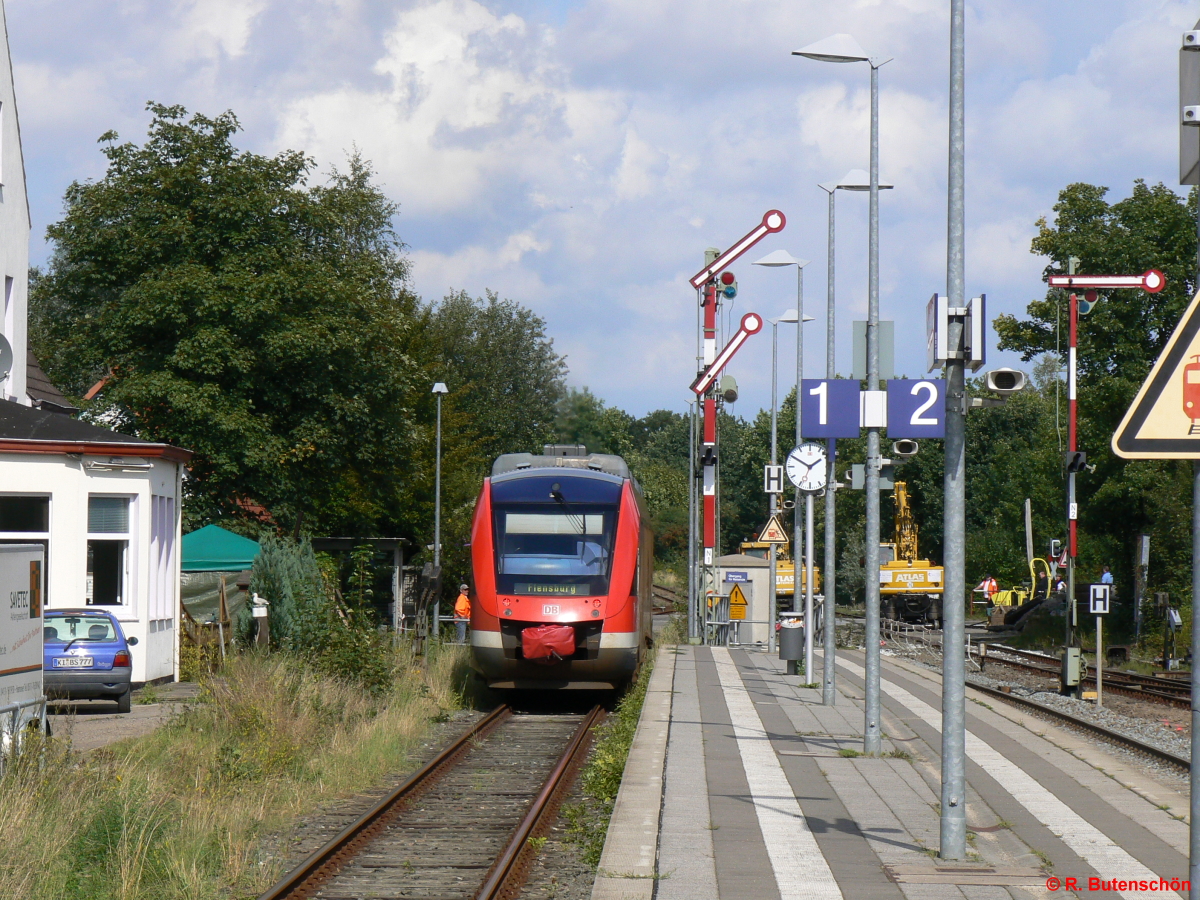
[(213, 549)]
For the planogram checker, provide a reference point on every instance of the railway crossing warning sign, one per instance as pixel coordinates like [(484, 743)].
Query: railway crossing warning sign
[(737, 603), (1098, 595), (1164, 420), (773, 533)]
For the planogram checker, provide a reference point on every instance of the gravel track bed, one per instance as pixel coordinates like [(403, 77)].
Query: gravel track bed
[(1148, 722), (317, 829)]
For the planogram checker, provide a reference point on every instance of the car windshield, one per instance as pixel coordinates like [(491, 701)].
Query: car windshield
[(63, 629), (563, 550)]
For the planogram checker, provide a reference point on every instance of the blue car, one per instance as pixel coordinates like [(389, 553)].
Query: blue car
[(85, 656)]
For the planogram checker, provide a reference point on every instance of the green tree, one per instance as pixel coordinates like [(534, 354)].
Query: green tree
[(1118, 342), (240, 312)]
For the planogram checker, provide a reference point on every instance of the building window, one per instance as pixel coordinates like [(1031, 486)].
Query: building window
[(108, 551), (26, 520)]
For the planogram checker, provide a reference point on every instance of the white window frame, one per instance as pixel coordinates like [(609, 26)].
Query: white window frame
[(128, 599)]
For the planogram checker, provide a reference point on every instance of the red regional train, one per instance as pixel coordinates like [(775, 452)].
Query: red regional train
[(563, 566)]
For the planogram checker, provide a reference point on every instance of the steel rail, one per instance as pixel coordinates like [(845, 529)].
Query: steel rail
[(325, 862), (1153, 682), (1124, 689), (507, 875), (1108, 734)]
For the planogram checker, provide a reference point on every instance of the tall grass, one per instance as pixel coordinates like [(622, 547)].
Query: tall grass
[(192, 810)]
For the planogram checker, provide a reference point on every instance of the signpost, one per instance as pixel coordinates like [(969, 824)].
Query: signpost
[(773, 533), (1098, 595), (916, 409), (737, 604), (829, 408)]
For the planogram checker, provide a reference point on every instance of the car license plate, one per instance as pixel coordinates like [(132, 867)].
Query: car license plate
[(74, 662), (550, 610)]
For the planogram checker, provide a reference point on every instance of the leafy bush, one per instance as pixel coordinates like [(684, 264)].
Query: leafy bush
[(336, 639)]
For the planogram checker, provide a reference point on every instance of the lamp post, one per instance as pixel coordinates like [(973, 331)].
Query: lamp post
[(842, 48), (775, 260), (438, 390), (854, 180), (789, 316)]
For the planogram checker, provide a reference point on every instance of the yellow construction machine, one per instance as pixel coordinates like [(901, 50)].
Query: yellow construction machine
[(910, 588)]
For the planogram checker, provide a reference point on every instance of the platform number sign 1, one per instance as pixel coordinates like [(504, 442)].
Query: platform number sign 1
[(829, 408), (916, 408), (1099, 594)]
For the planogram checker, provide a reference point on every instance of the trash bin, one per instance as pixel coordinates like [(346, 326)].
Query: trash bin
[(791, 639)]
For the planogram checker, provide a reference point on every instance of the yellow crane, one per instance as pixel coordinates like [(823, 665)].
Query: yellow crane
[(910, 588)]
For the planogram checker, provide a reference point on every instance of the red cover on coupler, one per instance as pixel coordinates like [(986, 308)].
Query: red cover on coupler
[(548, 642)]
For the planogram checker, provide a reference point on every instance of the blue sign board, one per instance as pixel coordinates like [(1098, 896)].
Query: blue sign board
[(829, 408), (740, 577), (916, 408)]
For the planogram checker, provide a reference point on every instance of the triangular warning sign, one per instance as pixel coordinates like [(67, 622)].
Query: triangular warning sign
[(736, 597), (1164, 420), (773, 533)]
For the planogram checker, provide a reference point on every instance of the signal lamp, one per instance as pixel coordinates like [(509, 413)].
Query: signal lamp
[(1076, 460), (728, 285)]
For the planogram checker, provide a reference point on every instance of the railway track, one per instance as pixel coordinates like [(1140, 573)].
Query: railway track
[(1108, 734), (1141, 687), (461, 826)]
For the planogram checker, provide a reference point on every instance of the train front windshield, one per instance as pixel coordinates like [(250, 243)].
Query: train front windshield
[(554, 550)]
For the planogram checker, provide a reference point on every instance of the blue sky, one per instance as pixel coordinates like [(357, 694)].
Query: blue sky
[(579, 156)]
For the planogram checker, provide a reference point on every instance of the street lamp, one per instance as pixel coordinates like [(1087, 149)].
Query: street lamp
[(789, 316), (438, 390), (775, 260), (854, 180), (842, 48)]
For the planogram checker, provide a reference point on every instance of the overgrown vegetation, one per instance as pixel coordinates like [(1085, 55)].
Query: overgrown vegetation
[(601, 778), (190, 811)]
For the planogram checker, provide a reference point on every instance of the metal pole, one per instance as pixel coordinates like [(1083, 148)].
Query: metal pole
[(808, 588), (953, 824), (796, 535), (809, 624), (437, 521), (1072, 506), (1194, 816), (1099, 661), (693, 606), (871, 742), (773, 587), (1194, 813), (828, 691)]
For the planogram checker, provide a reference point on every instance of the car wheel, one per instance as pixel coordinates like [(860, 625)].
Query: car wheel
[(125, 701)]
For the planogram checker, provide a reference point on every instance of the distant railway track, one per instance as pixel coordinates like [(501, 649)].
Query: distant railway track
[(461, 826), (665, 600), (1106, 733), (1125, 684)]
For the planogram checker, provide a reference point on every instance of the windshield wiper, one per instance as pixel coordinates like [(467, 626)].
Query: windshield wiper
[(556, 495)]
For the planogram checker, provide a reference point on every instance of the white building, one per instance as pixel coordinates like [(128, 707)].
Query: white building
[(105, 506)]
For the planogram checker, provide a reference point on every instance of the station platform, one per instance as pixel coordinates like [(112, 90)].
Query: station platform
[(742, 786)]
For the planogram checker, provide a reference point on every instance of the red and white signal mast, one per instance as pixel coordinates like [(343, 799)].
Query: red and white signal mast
[(714, 283), (1151, 282)]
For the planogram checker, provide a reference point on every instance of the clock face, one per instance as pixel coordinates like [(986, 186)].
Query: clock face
[(806, 467)]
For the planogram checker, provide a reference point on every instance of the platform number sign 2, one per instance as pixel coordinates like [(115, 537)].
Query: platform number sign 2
[(1099, 594), (916, 408)]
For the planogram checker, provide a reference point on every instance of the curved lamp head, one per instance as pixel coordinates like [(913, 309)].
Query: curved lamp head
[(780, 258), (854, 180), (790, 317), (839, 48)]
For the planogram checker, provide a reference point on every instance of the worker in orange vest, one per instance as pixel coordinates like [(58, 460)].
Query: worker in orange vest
[(462, 613), (988, 587)]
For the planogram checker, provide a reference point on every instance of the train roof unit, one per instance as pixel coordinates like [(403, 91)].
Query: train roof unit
[(561, 456)]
